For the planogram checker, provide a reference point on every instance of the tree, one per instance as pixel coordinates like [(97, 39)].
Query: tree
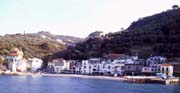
[(175, 7)]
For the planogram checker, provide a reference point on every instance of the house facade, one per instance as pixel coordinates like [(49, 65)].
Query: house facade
[(118, 69), (34, 64), (166, 69), (133, 69), (92, 66), (58, 66), (78, 67), (15, 60), (176, 68), (154, 63)]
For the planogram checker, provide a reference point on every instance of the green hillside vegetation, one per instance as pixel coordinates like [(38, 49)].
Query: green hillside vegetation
[(30, 45), (158, 34), (155, 22)]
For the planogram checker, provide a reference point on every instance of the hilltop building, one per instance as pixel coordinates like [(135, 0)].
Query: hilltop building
[(97, 34)]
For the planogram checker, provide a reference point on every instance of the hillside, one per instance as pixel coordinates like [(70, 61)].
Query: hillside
[(155, 22), (31, 46), (158, 34), (68, 40)]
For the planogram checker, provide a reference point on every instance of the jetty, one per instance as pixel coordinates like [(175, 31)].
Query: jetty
[(152, 80)]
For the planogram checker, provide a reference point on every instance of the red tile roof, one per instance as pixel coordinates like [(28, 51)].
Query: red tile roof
[(166, 64)]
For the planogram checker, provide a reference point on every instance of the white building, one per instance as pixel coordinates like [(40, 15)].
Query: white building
[(166, 69), (92, 66), (58, 66), (34, 64), (155, 62), (115, 63), (107, 68), (121, 58), (118, 69), (15, 61), (99, 66), (86, 67), (21, 66)]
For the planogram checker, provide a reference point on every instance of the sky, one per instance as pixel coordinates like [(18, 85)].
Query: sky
[(75, 17)]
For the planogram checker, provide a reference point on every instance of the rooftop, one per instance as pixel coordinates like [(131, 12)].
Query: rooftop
[(166, 64)]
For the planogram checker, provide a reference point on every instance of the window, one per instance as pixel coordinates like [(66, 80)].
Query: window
[(98, 68), (129, 67), (158, 69), (167, 69), (163, 69), (109, 67), (103, 66), (84, 67), (152, 69), (57, 69), (122, 68), (137, 68)]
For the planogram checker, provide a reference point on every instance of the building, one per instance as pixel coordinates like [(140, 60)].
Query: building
[(146, 70), (34, 64), (97, 34), (14, 56), (117, 69), (166, 69), (77, 67), (154, 63), (92, 66), (107, 68), (86, 67), (58, 66), (175, 7), (21, 66), (117, 62), (15, 61), (176, 68), (121, 58), (133, 69)]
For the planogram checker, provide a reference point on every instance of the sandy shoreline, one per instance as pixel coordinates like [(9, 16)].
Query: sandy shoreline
[(85, 76)]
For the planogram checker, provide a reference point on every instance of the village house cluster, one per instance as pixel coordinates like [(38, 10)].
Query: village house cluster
[(110, 65), (15, 62), (116, 65)]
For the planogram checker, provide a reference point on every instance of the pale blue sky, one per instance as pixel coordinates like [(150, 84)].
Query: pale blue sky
[(75, 17)]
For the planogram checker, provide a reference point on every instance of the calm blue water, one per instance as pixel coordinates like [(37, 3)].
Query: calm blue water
[(22, 84)]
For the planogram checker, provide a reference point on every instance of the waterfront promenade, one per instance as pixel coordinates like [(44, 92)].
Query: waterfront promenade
[(85, 76)]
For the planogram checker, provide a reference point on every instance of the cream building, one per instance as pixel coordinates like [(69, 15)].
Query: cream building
[(166, 69)]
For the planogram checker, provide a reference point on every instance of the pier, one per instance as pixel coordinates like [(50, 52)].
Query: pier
[(152, 80)]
